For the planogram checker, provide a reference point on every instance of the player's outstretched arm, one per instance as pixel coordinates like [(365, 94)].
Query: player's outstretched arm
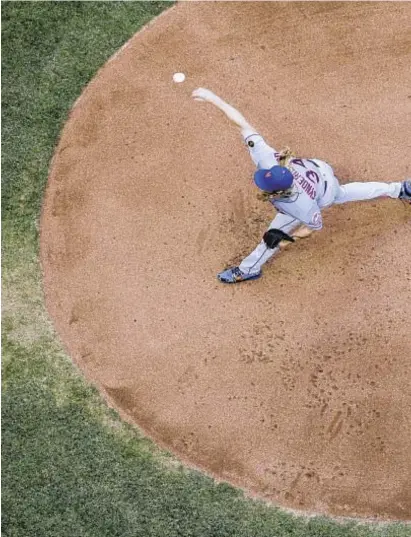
[(202, 94), (261, 153)]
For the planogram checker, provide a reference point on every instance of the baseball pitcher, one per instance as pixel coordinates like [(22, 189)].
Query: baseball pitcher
[(297, 188)]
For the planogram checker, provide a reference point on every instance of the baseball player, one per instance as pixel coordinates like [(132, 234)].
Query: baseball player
[(297, 188)]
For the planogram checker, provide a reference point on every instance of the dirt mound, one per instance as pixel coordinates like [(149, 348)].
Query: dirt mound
[(295, 387)]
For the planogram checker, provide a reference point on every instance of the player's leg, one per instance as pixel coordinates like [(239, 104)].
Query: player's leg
[(250, 267), (338, 193), (367, 191), (253, 262)]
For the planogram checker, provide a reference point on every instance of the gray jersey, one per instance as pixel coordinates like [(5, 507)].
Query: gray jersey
[(316, 187), (310, 182)]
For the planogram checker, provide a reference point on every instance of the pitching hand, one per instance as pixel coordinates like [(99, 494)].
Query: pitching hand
[(202, 94), (205, 95)]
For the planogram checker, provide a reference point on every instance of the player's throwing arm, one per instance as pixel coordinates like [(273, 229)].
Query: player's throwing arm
[(297, 188), (234, 115)]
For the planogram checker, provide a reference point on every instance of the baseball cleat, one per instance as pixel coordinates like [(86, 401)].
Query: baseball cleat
[(405, 193), (235, 275)]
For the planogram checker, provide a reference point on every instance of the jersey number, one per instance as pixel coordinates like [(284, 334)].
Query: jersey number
[(311, 175)]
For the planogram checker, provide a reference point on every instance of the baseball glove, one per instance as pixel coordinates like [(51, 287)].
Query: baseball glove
[(273, 237)]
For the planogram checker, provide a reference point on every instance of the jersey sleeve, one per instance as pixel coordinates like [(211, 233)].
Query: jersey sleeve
[(315, 219), (263, 156)]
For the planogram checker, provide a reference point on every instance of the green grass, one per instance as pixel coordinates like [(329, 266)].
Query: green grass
[(70, 466)]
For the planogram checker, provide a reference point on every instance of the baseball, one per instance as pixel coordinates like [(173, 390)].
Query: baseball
[(179, 77)]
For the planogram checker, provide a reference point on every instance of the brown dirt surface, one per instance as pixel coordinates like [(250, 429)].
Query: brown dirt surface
[(295, 387)]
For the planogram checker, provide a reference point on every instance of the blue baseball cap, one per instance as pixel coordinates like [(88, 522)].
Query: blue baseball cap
[(276, 178)]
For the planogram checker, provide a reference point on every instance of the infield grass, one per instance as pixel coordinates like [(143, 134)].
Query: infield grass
[(70, 466)]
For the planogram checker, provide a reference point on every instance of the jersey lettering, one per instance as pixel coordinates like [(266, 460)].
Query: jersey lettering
[(308, 188)]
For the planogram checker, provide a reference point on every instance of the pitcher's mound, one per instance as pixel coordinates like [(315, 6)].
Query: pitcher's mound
[(295, 387)]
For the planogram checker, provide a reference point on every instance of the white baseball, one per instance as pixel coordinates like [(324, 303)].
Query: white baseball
[(179, 77)]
